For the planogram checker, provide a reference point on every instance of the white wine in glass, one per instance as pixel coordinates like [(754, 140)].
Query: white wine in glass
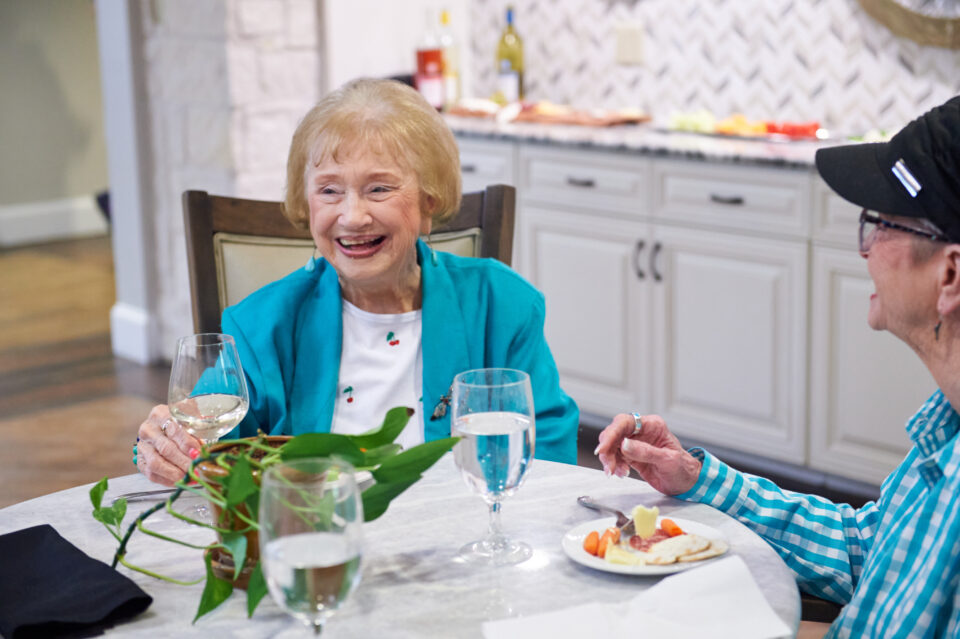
[(310, 520), (493, 415), (208, 390)]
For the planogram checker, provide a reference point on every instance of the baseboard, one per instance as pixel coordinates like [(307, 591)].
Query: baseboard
[(132, 333), (35, 222)]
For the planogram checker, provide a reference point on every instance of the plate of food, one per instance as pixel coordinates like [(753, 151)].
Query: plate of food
[(663, 546)]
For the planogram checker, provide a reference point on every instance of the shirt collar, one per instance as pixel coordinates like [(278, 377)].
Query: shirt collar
[(934, 425)]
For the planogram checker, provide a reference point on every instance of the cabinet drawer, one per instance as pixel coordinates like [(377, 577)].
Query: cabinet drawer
[(741, 197), (835, 221), (585, 179), (483, 163)]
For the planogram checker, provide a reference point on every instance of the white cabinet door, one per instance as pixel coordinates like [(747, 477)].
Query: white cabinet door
[(730, 339), (864, 384), (483, 163), (597, 316)]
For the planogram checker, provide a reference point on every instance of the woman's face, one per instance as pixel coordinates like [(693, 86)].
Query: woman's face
[(365, 218), (905, 294)]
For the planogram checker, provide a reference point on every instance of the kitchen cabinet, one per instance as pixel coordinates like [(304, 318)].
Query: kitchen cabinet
[(730, 298), (647, 311)]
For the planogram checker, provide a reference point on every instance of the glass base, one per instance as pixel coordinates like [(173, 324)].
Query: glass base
[(497, 552)]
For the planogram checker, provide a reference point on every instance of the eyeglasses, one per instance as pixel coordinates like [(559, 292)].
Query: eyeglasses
[(869, 236)]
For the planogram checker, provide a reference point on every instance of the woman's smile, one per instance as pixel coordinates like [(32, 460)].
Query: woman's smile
[(361, 246)]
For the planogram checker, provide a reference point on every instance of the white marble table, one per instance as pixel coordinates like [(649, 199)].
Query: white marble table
[(413, 584)]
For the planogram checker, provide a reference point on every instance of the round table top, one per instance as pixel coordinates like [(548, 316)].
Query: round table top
[(413, 583)]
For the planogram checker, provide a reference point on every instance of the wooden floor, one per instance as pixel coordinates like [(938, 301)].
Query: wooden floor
[(69, 409)]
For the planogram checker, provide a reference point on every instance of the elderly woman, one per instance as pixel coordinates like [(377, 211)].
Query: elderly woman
[(379, 319), (893, 564)]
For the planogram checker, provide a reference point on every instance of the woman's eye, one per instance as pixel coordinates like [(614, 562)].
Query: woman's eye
[(327, 190), (380, 188)]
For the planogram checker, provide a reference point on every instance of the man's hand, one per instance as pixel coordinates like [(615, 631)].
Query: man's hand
[(653, 451)]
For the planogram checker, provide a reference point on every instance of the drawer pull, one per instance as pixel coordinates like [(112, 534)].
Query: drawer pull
[(654, 254), (468, 168), (584, 183), (637, 252), (734, 200)]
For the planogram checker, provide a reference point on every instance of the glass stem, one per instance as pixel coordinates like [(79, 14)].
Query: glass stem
[(494, 533)]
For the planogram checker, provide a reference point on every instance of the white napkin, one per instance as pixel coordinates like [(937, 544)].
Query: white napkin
[(720, 600)]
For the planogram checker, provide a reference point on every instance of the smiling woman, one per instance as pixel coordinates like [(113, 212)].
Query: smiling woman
[(376, 318)]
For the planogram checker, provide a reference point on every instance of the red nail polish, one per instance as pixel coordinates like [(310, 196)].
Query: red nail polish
[(194, 453)]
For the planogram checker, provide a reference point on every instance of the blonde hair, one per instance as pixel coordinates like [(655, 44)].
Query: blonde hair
[(388, 118)]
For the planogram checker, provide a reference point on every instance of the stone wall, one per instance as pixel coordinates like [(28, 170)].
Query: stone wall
[(227, 83)]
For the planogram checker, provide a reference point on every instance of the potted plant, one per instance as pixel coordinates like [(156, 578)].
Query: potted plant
[(227, 475)]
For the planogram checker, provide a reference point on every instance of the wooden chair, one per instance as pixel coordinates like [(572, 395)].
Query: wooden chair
[(235, 246)]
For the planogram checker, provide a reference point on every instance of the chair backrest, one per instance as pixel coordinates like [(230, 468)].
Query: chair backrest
[(235, 246)]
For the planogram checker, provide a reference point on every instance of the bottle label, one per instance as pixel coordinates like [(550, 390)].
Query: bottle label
[(508, 84), (432, 89)]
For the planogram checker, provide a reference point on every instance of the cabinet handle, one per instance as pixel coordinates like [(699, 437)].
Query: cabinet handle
[(735, 200), (468, 168), (584, 183), (654, 254), (637, 251)]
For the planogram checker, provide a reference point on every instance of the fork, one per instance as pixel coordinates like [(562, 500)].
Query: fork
[(624, 523)]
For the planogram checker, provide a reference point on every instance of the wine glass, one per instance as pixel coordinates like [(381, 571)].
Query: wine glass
[(494, 416), (208, 391), (310, 536)]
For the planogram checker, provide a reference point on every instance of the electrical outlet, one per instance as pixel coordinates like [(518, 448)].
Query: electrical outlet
[(629, 44)]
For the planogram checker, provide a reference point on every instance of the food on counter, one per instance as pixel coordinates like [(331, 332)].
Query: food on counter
[(545, 112), (645, 520), (737, 124)]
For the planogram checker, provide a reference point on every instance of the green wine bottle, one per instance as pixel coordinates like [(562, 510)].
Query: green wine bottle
[(510, 63)]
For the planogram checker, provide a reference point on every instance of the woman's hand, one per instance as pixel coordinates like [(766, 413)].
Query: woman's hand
[(165, 449), (654, 452)]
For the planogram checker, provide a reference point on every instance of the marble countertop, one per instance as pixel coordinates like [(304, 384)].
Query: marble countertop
[(413, 583), (646, 139)]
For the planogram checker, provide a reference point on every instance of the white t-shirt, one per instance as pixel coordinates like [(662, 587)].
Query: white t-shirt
[(381, 366)]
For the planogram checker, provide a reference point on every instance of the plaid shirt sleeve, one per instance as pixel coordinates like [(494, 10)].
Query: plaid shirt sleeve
[(823, 543)]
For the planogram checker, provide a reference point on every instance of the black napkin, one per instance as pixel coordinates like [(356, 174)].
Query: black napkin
[(49, 587)]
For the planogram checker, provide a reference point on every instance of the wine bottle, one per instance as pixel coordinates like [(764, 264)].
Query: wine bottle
[(429, 77), (510, 62), (451, 61)]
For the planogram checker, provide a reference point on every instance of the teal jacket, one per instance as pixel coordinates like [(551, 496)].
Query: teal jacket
[(477, 313)]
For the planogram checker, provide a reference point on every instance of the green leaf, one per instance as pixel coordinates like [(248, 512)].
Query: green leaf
[(96, 493), (375, 456), (393, 424), (239, 483), (237, 544), (378, 497), (253, 505), (106, 516), (256, 589), (411, 463), (215, 592), (119, 509), (322, 445)]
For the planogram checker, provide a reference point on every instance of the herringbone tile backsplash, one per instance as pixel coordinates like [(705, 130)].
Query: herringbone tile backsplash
[(820, 60)]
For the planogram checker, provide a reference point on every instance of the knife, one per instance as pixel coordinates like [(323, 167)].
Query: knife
[(627, 528)]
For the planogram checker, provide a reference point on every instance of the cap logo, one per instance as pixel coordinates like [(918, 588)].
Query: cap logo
[(902, 173)]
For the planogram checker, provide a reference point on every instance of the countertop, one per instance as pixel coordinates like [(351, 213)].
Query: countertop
[(647, 139)]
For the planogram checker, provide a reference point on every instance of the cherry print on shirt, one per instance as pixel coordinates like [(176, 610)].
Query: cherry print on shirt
[(348, 391), (391, 340)]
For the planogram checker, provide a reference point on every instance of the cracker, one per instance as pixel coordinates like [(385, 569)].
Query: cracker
[(715, 549), (680, 546)]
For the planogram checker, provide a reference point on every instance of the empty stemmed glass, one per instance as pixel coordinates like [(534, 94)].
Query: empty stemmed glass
[(310, 522), (492, 411)]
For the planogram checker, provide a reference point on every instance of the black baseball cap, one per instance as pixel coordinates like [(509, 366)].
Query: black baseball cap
[(915, 174)]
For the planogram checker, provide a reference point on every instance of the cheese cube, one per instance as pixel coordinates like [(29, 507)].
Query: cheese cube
[(617, 554), (645, 519)]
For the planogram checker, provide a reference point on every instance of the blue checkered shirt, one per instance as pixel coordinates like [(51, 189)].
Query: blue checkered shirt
[(895, 564)]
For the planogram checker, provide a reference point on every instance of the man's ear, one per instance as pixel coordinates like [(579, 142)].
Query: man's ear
[(949, 300)]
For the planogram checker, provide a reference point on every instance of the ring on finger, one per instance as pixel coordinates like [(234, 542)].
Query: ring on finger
[(163, 426), (637, 423)]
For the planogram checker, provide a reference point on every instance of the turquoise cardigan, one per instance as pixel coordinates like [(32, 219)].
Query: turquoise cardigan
[(477, 313)]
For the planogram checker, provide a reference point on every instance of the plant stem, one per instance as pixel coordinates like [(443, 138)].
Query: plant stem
[(156, 575)]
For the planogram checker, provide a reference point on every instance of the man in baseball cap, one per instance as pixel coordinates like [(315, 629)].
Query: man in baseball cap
[(894, 564)]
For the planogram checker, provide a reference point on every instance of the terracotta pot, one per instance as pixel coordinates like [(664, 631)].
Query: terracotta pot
[(222, 562)]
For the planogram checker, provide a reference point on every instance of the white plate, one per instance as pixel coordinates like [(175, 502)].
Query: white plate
[(572, 544)]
